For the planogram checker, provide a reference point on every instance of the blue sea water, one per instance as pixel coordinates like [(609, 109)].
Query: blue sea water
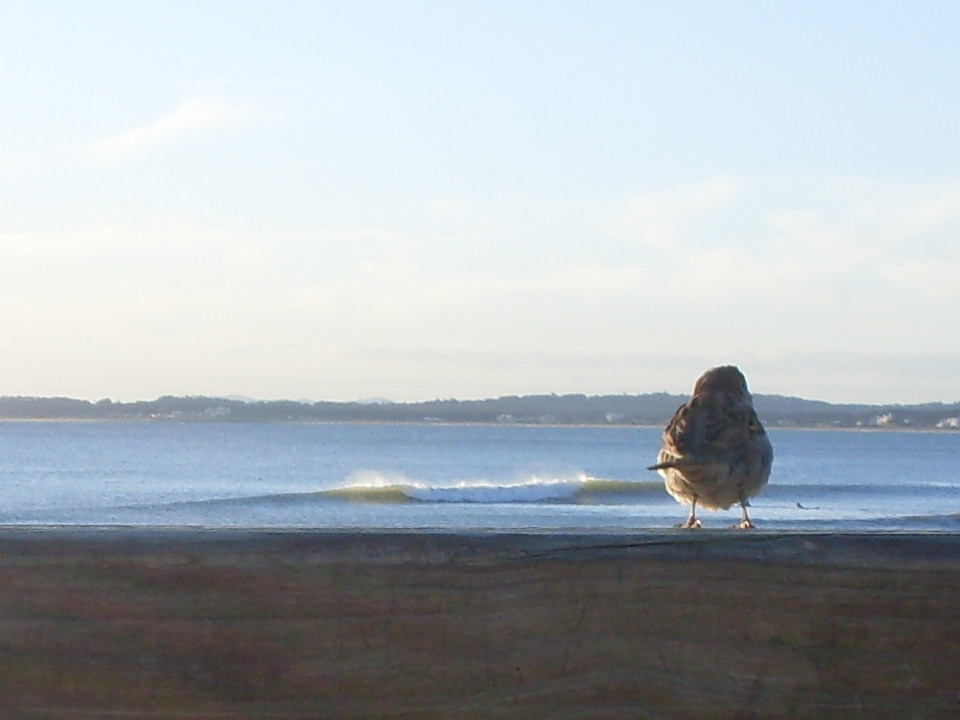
[(449, 477)]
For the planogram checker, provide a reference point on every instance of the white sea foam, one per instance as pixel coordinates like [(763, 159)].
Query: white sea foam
[(535, 490)]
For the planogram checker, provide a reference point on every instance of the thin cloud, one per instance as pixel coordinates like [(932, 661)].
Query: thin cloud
[(872, 217), (662, 219), (105, 240), (193, 115)]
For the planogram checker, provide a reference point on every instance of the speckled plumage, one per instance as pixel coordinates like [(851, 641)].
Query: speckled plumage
[(715, 451)]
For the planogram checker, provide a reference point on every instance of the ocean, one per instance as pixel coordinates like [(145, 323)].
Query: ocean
[(450, 477)]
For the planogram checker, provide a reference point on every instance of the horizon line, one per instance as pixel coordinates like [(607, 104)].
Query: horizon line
[(386, 401)]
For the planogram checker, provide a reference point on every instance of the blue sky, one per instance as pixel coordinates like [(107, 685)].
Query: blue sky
[(410, 200)]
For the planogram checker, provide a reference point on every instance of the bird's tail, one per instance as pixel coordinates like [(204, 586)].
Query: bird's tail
[(679, 463)]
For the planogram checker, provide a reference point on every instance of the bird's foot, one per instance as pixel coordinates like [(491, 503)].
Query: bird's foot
[(745, 523), (689, 524)]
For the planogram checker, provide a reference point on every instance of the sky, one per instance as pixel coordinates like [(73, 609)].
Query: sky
[(417, 200)]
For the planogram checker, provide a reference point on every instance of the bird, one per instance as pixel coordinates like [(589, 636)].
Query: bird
[(715, 451)]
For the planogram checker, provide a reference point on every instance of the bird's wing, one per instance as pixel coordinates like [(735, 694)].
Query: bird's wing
[(680, 435)]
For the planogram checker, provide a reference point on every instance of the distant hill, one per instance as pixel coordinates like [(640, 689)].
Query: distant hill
[(649, 409)]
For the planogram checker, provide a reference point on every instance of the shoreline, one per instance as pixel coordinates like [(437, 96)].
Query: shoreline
[(710, 624), (466, 423)]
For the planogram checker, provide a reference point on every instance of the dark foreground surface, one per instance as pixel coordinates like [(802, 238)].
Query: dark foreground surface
[(701, 625)]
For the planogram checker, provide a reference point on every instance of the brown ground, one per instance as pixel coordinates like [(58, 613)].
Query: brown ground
[(325, 625)]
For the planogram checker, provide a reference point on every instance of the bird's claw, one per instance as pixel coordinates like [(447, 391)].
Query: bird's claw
[(745, 525), (689, 524)]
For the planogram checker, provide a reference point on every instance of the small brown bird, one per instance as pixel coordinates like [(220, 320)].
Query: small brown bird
[(715, 451)]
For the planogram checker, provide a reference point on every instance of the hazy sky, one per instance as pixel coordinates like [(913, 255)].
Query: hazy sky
[(411, 200)]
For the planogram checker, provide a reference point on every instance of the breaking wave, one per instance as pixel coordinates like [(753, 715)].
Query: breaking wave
[(375, 487), (848, 505)]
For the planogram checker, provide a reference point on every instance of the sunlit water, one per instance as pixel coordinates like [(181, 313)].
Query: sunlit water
[(450, 477)]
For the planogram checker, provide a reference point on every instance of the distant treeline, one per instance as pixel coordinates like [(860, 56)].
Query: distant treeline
[(649, 409)]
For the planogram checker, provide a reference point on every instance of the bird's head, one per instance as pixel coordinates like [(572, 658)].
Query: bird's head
[(724, 379)]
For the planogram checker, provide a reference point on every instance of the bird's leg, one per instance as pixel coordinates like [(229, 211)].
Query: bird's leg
[(745, 523), (691, 522)]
